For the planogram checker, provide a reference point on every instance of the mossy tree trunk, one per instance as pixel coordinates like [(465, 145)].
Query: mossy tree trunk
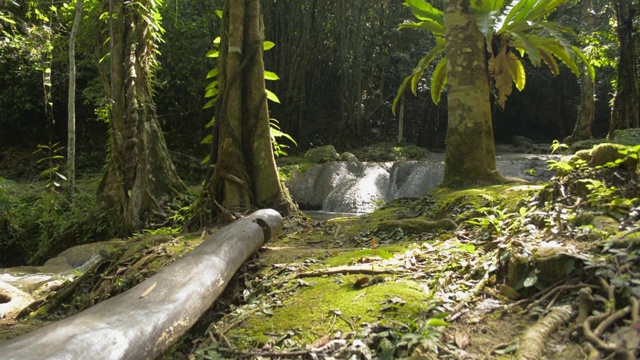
[(470, 150), (245, 174), (139, 170), (626, 104)]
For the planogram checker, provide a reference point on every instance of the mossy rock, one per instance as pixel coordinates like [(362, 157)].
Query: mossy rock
[(628, 137), (606, 153), (417, 225), (585, 144), (347, 156), (321, 154), (518, 268)]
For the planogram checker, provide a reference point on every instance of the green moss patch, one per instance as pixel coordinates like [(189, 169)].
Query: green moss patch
[(311, 313)]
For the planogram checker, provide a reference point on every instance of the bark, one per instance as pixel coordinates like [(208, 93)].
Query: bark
[(139, 170), (586, 113), (626, 105), (145, 321), (71, 105), (470, 151)]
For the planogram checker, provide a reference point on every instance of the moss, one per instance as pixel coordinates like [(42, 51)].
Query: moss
[(347, 258), (310, 311)]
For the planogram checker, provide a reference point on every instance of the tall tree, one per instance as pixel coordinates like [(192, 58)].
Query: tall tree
[(470, 148), (245, 174), (71, 105), (139, 171), (479, 43), (626, 104)]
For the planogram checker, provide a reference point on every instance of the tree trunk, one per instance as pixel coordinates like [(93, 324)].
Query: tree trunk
[(245, 174), (587, 110), (626, 104), (139, 170), (470, 150), (71, 105)]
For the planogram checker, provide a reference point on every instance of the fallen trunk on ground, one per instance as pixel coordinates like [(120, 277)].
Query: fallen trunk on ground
[(147, 319)]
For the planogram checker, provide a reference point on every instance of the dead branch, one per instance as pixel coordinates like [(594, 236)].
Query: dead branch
[(363, 269)]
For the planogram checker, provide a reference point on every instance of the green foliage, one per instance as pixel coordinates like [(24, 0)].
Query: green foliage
[(212, 91), (502, 222), (558, 146), (520, 29), (50, 155)]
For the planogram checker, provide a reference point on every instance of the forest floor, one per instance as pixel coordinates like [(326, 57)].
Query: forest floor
[(512, 271)]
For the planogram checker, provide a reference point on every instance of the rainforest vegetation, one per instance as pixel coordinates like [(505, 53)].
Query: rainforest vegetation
[(136, 129)]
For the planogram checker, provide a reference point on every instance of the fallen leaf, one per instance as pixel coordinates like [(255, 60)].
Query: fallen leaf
[(360, 283), (148, 291), (461, 339)]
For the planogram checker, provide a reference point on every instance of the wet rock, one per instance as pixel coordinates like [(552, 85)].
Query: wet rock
[(347, 156), (12, 300)]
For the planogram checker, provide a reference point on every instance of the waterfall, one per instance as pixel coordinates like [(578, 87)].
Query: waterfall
[(351, 187)]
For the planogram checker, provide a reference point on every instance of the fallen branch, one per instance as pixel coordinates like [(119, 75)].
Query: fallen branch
[(363, 269), (534, 339)]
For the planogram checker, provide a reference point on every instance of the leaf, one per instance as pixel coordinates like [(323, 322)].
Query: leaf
[(148, 291), (439, 80), (517, 72), (213, 53), (425, 11), (269, 75), (61, 176), (211, 93), (213, 72), (207, 139), (591, 71), (267, 45), (271, 96), (437, 322), (206, 160), (210, 103), (531, 280), (219, 13)]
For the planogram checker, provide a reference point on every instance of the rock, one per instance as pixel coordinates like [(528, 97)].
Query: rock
[(585, 144), (12, 300), (347, 156), (628, 137), (321, 154), (522, 144)]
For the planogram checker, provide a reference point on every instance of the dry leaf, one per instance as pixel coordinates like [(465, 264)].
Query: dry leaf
[(148, 291), (360, 283), (462, 339)]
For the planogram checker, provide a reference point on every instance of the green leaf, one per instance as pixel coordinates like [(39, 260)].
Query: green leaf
[(437, 322), (267, 45), (425, 11), (210, 123), (399, 93), (211, 92), (207, 139), (270, 75), (212, 85), (517, 72), (439, 80), (219, 13), (216, 41), (213, 53), (210, 103), (212, 73), (206, 160), (591, 71), (271, 96)]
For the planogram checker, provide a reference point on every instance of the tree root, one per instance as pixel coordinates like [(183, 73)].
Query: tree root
[(534, 339)]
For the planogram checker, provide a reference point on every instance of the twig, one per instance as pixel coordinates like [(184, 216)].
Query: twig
[(366, 269)]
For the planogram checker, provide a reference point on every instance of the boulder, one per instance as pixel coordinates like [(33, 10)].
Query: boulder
[(347, 156), (321, 154)]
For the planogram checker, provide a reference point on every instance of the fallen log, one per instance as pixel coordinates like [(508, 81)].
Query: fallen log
[(143, 322)]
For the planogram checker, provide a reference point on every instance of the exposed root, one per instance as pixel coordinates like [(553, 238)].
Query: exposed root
[(534, 339)]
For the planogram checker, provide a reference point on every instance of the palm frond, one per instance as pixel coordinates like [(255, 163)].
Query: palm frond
[(422, 10), (439, 80)]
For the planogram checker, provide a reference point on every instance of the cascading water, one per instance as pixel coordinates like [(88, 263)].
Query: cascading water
[(351, 187)]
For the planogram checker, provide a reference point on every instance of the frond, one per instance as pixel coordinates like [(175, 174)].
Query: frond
[(522, 42), (551, 62), (486, 21), (429, 25), (439, 80), (556, 49), (591, 71), (422, 10), (517, 71), (399, 93)]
